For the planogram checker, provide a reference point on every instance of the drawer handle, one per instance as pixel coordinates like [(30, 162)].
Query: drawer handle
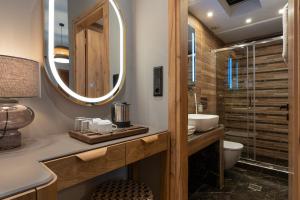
[(150, 139), (92, 155)]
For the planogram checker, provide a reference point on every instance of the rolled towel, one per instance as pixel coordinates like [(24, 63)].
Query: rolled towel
[(285, 33)]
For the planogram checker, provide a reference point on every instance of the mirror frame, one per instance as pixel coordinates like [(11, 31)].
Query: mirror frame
[(62, 88)]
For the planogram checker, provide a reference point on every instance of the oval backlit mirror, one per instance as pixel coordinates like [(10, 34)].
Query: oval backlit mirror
[(85, 49)]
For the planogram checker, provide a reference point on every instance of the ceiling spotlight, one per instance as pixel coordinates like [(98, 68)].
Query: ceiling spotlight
[(248, 21), (280, 11), (210, 14)]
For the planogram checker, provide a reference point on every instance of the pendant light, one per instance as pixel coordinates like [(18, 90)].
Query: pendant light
[(62, 53)]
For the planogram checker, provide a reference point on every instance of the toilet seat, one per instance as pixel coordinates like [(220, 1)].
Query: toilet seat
[(233, 145)]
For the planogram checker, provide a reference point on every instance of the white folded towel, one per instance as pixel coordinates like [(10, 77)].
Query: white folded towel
[(98, 125), (285, 33)]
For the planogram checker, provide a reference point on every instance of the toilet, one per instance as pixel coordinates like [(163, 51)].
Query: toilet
[(232, 153)]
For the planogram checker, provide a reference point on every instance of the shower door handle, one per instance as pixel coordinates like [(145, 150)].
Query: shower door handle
[(284, 107), (250, 102)]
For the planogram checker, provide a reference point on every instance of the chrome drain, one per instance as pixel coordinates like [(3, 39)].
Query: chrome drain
[(254, 187)]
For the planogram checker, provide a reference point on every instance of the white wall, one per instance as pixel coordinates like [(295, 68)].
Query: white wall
[(150, 50), (21, 32)]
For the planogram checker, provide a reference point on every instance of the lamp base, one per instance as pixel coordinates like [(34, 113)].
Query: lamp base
[(13, 117), (10, 140)]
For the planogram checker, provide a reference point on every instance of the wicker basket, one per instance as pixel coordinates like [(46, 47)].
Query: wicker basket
[(122, 190)]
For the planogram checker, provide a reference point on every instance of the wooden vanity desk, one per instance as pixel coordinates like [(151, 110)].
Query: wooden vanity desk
[(198, 142), (74, 169), (78, 168)]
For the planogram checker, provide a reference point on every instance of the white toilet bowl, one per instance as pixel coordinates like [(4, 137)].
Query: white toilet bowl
[(232, 153)]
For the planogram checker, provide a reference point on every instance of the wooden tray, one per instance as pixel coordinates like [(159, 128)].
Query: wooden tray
[(94, 138)]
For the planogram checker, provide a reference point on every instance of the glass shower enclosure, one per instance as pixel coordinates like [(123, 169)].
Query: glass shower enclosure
[(252, 100)]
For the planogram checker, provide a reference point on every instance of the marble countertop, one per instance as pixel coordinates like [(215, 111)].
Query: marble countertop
[(21, 170)]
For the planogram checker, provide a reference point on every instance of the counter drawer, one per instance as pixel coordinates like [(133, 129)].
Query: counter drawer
[(77, 168), (145, 147)]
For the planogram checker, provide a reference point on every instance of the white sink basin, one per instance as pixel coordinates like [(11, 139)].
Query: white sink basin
[(203, 122)]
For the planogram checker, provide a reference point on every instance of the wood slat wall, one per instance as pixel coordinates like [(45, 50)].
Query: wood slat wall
[(236, 110), (205, 66)]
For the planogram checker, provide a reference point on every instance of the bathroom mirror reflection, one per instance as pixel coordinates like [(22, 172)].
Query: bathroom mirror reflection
[(84, 47)]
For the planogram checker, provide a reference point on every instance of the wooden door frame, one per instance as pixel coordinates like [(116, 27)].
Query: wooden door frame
[(101, 9), (294, 99), (178, 99), (178, 103)]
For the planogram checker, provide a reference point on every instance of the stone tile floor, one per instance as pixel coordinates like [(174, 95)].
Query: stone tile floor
[(242, 184)]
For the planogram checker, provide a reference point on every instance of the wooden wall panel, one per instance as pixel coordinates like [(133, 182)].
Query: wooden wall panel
[(205, 66), (236, 106)]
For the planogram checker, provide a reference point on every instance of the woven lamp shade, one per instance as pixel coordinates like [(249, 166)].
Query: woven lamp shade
[(19, 78)]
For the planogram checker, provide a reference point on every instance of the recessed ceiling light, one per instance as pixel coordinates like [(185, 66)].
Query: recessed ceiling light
[(210, 14), (248, 21), (280, 11)]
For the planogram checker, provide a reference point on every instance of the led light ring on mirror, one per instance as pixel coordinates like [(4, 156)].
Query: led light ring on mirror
[(53, 66)]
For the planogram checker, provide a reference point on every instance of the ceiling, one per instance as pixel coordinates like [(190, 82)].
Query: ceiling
[(61, 16), (228, 22)]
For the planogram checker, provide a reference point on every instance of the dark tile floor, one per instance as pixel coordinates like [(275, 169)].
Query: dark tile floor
[(242, 184)]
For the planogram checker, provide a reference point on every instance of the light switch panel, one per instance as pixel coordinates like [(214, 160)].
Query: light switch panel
[(158, 81)]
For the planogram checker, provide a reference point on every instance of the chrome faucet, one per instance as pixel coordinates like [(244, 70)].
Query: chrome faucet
[(196, 103), (198, 106)]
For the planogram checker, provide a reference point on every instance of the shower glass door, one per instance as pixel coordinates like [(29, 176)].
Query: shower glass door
[(251, 95), (270, 104), (235, 89), (252, 92)]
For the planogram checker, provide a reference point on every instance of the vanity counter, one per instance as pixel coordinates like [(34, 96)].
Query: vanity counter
[(197, 142), (21, 169)]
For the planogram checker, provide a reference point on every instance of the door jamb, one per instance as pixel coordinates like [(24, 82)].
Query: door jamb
[(294, 99), (178, 99)]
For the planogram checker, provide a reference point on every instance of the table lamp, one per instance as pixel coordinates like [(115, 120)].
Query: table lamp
[(19, 78)]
